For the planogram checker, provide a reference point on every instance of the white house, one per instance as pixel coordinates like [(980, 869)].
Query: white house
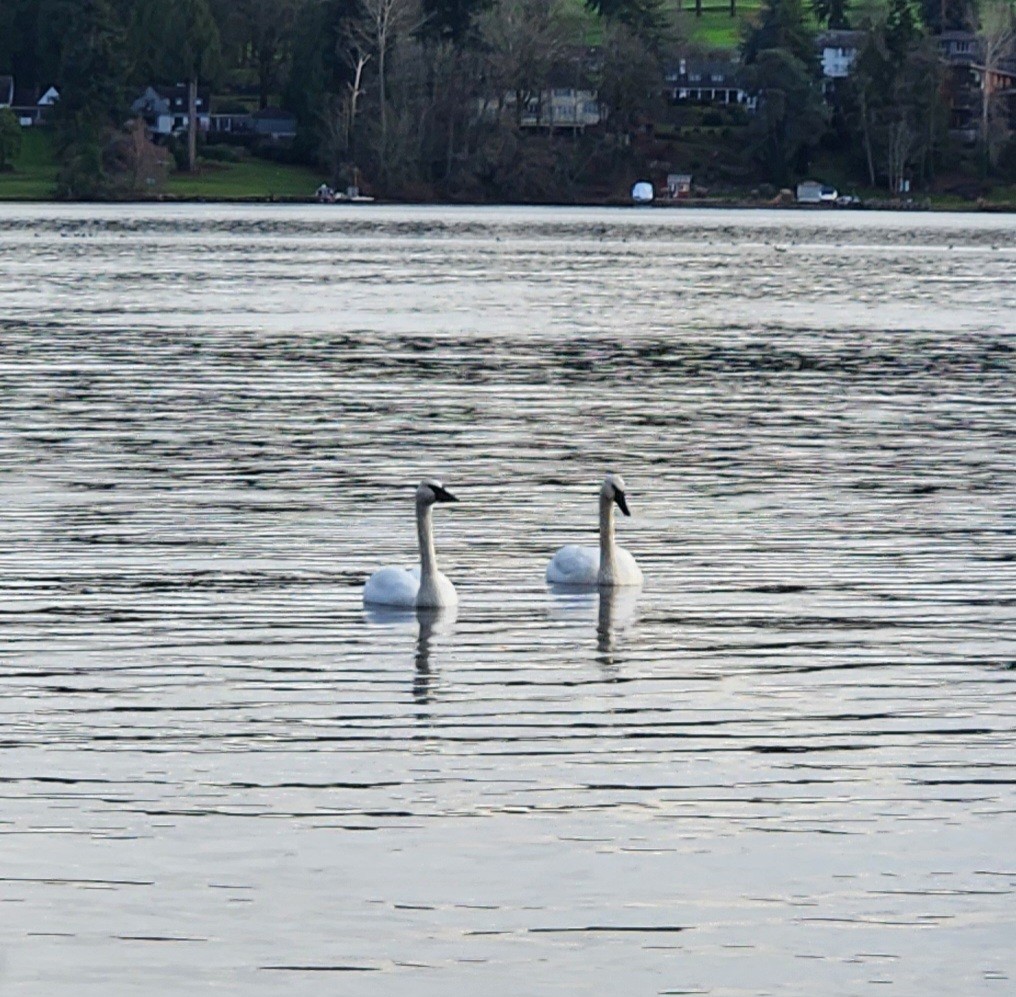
[(838, 50)]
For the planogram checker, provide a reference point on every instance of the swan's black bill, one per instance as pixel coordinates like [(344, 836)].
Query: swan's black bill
[(442, 494), (621, 503)]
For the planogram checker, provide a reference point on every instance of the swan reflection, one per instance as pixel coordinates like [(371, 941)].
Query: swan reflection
[(616, 610), (431, 622)]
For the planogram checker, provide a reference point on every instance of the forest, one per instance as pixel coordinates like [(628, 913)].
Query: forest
[(437, 99)]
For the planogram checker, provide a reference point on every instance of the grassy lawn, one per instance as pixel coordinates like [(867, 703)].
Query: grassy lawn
[(34, 173), (716, 29), (34, 176), (252, 178)]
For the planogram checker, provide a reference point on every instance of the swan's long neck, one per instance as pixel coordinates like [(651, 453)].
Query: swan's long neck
[(425, 531), (608, 549)]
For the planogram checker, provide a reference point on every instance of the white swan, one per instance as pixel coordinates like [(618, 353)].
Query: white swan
[(424, 586), (605, 565)]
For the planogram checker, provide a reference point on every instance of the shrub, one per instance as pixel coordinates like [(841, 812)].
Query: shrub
[(10, 137), (222, 154)]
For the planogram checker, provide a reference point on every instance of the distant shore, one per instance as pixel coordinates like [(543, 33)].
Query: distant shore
[(752, 204)]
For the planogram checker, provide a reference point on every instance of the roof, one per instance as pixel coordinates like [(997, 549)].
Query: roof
[(173, 97), (273, 114), (698, 70), (30, 96), (839, 39)]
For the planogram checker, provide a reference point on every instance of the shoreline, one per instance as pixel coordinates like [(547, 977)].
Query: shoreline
[(733, 204)]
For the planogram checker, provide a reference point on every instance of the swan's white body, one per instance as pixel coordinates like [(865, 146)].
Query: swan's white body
[(606, 565), (424, 586)]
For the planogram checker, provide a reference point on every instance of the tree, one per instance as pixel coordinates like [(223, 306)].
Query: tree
[(902, 28), (630, 81), (997, 37), (139, 166), (521, 40), (451, 20), (92, 77), (646, 18), (321, 74), (782, 24), (895, 104), (265, 29), (179, 40), (834, 14), (790, 116), (10, 138), (383, 22)]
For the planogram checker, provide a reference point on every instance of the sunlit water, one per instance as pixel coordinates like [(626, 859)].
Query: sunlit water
[(785, 767)]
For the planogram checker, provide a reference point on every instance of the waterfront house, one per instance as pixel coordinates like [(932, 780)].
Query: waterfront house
[(837, 52), (165, 109), (29, 104), (706, 80)]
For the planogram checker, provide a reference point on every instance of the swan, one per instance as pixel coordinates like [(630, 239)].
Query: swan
[(424, 586), (606, 565)]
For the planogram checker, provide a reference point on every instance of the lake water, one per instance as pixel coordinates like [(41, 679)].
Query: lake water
[(786, 766)]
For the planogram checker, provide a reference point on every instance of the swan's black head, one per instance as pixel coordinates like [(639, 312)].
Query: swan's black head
[(431, 491), (613, 488)]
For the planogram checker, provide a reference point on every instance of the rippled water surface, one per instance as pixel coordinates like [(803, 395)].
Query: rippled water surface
[(784, 767)]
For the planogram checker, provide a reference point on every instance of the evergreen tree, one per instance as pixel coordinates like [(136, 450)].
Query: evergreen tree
[(178, 41), (834, 14), (790, 116), (782, 24), (10, 138), (902, 28), (321, 68), (646, 18), (451, 20), (91, 78)]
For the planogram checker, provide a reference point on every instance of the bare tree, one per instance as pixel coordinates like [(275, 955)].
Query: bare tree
[(384, 21), (899, 147), (524, 38), (997, 37)]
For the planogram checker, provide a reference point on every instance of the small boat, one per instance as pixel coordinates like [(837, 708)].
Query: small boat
[(642, 192)]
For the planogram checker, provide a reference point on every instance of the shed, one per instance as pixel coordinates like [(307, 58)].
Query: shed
[(809, 192), (678, 184)]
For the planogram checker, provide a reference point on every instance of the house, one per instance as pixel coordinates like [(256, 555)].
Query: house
[(706, 81), (28, 103), (1000, 84), (165, 109), (568, 107), (967, 79), (555, 108), (274, 123), (837, 52), (959, 47), (32, 104)]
